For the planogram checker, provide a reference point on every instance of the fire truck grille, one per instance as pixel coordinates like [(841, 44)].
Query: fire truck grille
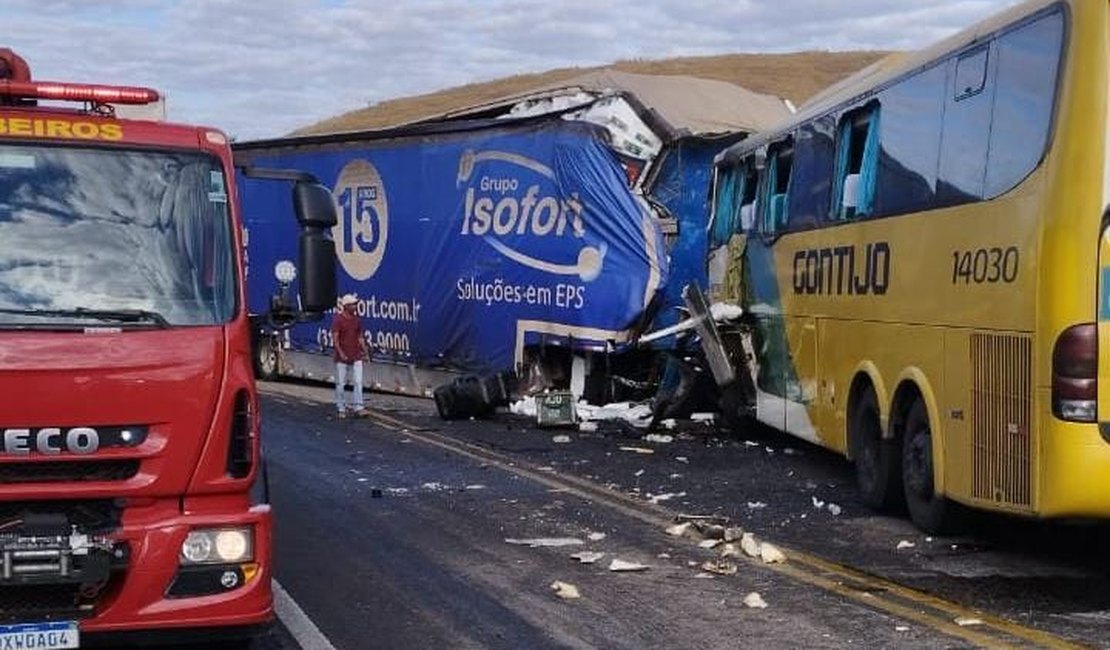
[(67, 471), (20, 603)]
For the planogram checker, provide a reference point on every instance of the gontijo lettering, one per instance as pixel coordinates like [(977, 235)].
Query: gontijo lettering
[(60, 128)]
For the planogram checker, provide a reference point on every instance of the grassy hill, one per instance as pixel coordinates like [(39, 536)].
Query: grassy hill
[(796, 76)]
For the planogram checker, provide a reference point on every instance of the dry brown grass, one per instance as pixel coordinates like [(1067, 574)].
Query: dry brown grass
[(796, 76)]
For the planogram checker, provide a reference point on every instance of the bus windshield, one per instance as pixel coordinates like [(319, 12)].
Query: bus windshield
[(89, 236)]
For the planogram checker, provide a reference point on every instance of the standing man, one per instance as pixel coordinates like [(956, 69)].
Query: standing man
[(348, 352)]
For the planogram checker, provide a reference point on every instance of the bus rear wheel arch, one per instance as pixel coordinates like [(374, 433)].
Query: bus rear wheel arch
[(877, 458)]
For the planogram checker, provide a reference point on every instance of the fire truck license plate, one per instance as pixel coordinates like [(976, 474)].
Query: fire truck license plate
[(39, 636)]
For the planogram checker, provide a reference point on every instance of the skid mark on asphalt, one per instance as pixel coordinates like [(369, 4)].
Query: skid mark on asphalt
[(307, 635)]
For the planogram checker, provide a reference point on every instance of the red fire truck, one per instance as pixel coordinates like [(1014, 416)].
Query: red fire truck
[(129, 423)]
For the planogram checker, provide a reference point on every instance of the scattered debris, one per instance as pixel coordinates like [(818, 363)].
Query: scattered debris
[(706, 519), (749, 545), (755, 601), (751, 443), (771, 554), (658, 438), (397, 491), (363, 479), (790, 451), (733, 533), (675, 476), (729, 550), (769, 450), (658, 498), (561, 439), (682, 459), (545, 542), (669, 423), (565, 590), (587, 426), (834, 509), (525, 407), (664, 556), (623, 566), (638, 450), (901, 628), (691, 563), (435, 486), (720, 567), (756, 505), (476, 486), (638, 415), (817, 503), (709, 543), (678, 530), (905, 544), (965, 621), (704, 575), (596, 537), (707, 418), (587, 557)]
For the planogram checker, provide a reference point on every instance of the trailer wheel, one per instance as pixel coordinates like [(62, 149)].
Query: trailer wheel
[(929, 511), (265, 358), (877, 460)]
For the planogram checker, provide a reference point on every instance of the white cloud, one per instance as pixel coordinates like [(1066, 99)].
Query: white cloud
[(262, 69)]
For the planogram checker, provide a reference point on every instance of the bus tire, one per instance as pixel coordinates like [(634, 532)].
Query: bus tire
[(265, 358), (930, 512), (877, 461)]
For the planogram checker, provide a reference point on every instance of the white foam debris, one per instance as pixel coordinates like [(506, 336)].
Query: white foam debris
[(560, 439), (588, 557), (669, 423), (476, 486), (770, 554), (435, 486), (622, 565), (905, 544), (596, 537), (678, 530), (659, 498), (755, 601), (565, 590), (587, 426), (545, 542), (637, 414), (709, 543), (658, 438), (756, 505), (638, 450), (965, 621), (817, 503), (749, 545), (682, 459), (707, 418), (835, 510), (526, 407)]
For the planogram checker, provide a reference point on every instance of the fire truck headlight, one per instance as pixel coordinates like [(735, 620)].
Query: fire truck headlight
[(218, 546)]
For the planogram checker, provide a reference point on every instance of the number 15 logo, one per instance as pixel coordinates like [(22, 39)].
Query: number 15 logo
[(363, 227)]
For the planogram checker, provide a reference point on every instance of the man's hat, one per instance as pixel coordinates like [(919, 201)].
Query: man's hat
[(348, 299)]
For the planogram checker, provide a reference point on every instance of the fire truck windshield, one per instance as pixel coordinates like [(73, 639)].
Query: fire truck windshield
[(87, 235)]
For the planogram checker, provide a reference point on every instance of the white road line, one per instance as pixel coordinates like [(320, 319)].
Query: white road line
[(308, 636)]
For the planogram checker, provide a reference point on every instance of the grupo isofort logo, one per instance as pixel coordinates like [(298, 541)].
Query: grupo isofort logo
[(513, 204), (363, 228)]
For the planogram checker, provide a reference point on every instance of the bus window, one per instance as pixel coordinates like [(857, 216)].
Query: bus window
[(1028, 60), (811, 177), (967, 127), (776, 186), (746, 214), (857, 163), (910, 142)]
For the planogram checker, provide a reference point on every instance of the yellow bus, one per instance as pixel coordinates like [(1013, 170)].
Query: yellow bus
[(924, 251)]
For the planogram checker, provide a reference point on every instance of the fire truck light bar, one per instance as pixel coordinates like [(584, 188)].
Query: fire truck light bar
[(78, 92)]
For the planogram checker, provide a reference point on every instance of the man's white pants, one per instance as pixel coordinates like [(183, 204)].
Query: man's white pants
[(341, 382)]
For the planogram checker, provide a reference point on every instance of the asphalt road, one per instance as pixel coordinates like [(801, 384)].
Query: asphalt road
[(391, 532)]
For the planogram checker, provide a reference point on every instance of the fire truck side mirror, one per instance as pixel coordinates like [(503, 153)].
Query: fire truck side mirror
[(317, 271), (314, 205), (316, 214)]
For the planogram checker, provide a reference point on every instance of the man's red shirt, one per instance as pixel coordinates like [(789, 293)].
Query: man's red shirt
[(346, 329)]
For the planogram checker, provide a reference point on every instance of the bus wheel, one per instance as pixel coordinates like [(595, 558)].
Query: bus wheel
[(265, 358), (877, 460), (929, 512)]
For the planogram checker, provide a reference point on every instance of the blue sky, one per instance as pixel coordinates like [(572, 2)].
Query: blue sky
[(261, 69)]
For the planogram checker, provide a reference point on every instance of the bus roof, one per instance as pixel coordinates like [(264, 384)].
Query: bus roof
[(884, 71)]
